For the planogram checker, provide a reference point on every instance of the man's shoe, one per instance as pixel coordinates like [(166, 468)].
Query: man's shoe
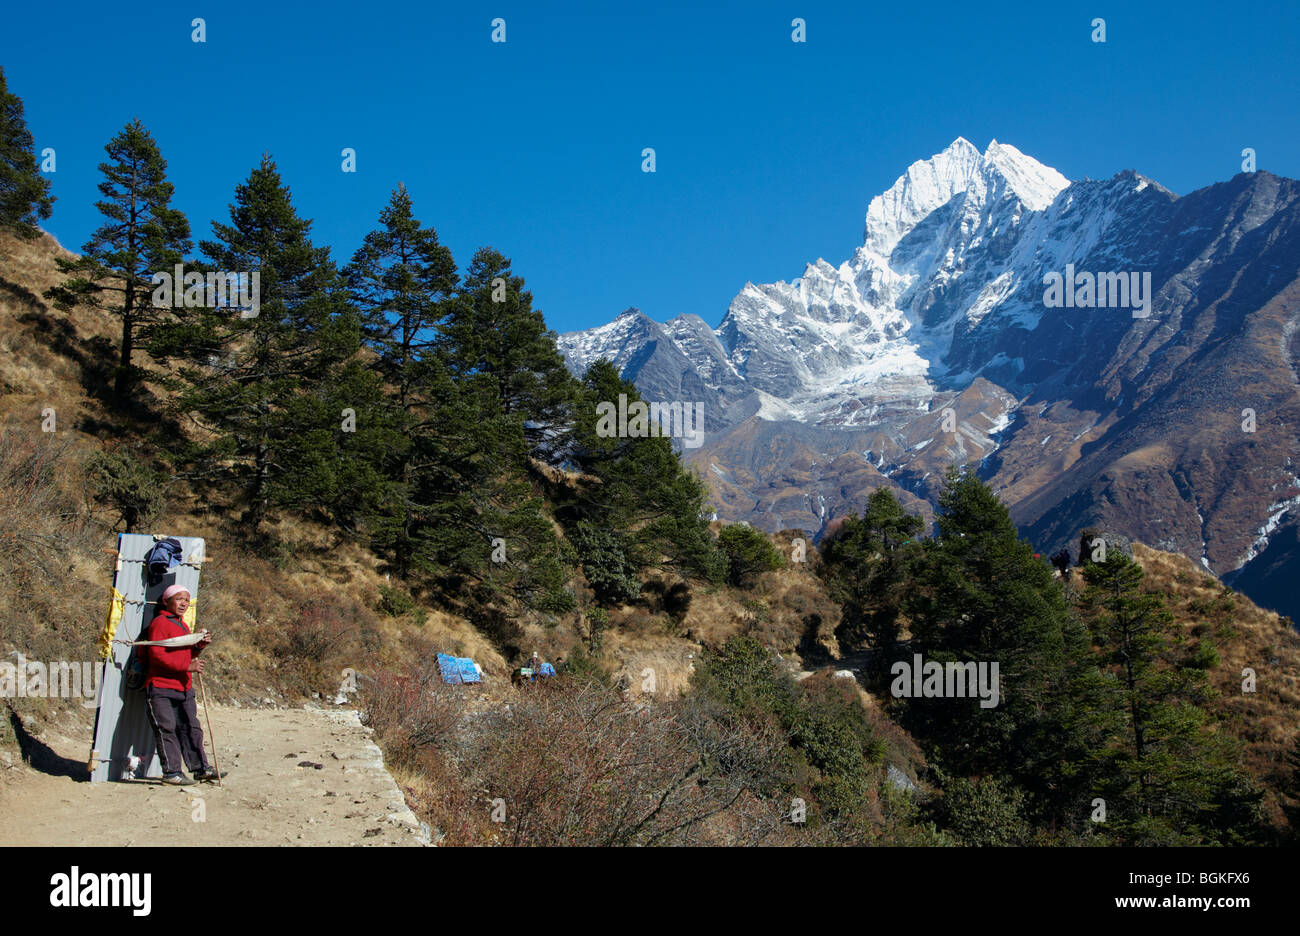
[(207, 774), (178, 780)]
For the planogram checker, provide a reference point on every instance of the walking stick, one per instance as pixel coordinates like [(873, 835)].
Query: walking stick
[(207, 716)]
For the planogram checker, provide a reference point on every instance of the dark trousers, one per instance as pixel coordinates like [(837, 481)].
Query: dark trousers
[(176, 729)]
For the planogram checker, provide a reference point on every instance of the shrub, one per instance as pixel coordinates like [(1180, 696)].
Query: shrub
[(579, 765), (748, 552), (411, 710), (36, 515), (583, 667), (318, 641), (319, 629), (677, 601), (394, 601), (128, 486), (556, 601), (283, 556), (745, 677), (438, 794), (831, 751), (45, 535), (605, 563), (990, 812), (597, 624)]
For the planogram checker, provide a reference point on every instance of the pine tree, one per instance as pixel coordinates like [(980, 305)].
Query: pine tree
[(494, 330), (645, 494), (983, 597), (479, 533), (748, 553), (264, 388), (400, 280), (605, 563), (458, 510), (25, 196), (338, 433), (143, 235), (868, 564), (1166, 776), (453, 505)]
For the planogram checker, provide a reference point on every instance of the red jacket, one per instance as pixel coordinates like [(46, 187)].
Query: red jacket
[(168, 667)]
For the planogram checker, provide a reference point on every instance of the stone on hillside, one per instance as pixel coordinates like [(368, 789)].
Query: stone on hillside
[(900, 780), (1114, 542)]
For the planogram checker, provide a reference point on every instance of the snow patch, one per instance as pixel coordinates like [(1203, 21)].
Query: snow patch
[(1276, 512)]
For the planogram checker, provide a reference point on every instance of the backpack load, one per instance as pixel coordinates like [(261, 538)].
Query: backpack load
[(165, 556), (123, 747)]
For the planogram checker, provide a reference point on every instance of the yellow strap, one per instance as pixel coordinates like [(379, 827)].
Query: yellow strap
[(116, 606)]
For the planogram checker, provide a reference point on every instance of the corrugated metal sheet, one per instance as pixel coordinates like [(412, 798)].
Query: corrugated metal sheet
[(122, 728)]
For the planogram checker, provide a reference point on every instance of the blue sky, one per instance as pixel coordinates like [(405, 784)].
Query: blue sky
[(768, 151)]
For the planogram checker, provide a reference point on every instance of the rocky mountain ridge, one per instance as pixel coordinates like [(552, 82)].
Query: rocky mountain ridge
[(935, 342)]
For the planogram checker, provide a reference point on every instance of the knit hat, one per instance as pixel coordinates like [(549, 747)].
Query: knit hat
[(172, 590)]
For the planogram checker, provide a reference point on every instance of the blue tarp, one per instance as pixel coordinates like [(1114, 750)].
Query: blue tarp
[(457, 670)]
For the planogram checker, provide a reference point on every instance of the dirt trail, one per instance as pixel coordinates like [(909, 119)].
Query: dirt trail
[(267, 798)]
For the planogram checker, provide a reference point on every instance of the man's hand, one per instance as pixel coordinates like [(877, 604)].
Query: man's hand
[(207, 639), (196, 666)]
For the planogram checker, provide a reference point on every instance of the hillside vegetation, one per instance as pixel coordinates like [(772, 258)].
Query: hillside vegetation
[(390, 460)]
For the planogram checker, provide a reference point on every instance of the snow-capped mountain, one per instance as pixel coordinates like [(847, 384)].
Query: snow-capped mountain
[(936, 341), (880, 321)]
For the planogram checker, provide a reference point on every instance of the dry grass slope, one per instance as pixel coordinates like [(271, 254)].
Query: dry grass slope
[(288, 622), (1246, 637)]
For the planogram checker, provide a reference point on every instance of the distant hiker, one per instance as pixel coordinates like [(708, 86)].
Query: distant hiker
[(170, 692), (535, 663), (1062, 562)]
